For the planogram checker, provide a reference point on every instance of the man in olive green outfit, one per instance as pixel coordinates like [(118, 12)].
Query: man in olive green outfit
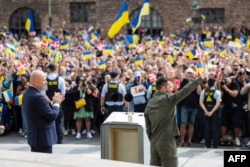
[(161, 124)]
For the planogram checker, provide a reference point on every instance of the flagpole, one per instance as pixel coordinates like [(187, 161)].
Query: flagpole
[(49, 12)]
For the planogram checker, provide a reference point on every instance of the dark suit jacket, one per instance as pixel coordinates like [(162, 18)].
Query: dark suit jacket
[(41, 117)]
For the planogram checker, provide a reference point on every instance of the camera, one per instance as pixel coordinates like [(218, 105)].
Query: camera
[(222, 83)]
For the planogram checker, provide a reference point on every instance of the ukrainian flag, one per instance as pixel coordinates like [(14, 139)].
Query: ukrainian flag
[(161, 40), (170, 57), (172, 35), (108, 50), (144, 11), (64, 45), (57, 57), (67, 36), (10, 51), (1, 107), (8, 95), (102, 64), (208, 42), (121, 19), (30, 24), (87, 55), (149, 41), (223, 52), (94, 35), (199, 68), (191, 54), (229, 36), (19, 100), (138, 61), (16, 41), (52, 51), (132, 40)]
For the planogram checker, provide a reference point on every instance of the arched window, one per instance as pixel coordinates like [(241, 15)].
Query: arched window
[(151, 24), (18, 19)]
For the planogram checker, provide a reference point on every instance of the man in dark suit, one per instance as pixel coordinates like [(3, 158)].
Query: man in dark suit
[(41, 114)]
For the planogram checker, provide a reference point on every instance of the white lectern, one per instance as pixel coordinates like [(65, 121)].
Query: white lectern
[(125, 140)]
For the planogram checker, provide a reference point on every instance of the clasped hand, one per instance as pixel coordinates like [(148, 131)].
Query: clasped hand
[(57, 98)]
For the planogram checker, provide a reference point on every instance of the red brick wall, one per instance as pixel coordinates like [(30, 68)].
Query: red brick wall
[(173, 12)]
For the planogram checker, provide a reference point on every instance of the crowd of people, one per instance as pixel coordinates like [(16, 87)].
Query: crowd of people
[(119, 75)]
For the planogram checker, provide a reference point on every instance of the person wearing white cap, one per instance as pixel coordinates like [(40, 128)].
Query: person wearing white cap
[(188, 108), (138, 90)]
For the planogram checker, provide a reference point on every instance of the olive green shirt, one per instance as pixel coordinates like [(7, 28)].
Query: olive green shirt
[(160, 115)]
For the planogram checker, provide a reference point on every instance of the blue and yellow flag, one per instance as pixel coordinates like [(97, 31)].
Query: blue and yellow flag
[(19, 100), (8, 95), (64, 45), (191, 54), (229, 36), (1, 107), (86, 55), (144, 11), (161, 40), (102, 64), (223, 52), (172, 35), (121, 19), (30, 24), (52, 50), (199, 68), (67, 36), (132, 40), (149, 41), (94, 35), (108, 50), (170, 57), (138, 60), (207, 42), (57, 57)]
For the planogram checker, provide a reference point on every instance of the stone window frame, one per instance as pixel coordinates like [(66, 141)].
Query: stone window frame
[(214, 15), (82, 12), (17, 21)]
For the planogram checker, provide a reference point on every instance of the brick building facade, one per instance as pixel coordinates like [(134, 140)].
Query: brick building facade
[(172, 13)]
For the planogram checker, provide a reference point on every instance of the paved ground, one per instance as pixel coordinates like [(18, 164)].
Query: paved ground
[(91, 148)]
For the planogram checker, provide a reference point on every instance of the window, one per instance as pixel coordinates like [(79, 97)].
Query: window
[(82, 12), (214, 15), (152, 23), (18, 19)]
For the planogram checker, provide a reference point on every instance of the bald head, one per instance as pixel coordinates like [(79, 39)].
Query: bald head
[(38, 79)]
